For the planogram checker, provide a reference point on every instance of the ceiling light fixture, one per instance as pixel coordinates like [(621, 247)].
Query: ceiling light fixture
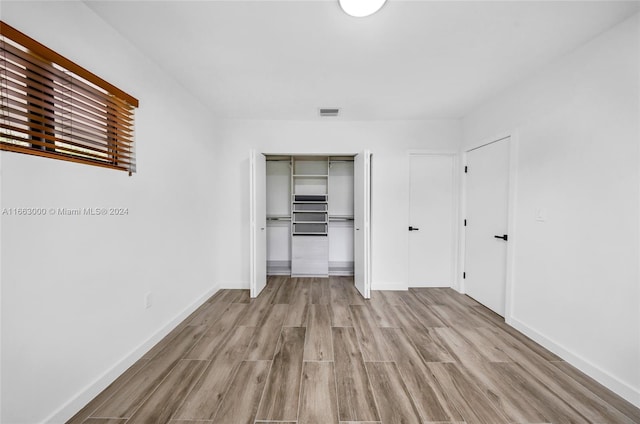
[(361, 8)]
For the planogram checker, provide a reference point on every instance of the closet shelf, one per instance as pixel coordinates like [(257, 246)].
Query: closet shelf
[(309, 202), (315, 198), (310, 176), (309, 208)]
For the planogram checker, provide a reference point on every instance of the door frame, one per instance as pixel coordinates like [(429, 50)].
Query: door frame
[(456, 273), (510, 270)]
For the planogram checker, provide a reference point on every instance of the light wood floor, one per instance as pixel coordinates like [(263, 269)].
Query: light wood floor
[(313, 351)]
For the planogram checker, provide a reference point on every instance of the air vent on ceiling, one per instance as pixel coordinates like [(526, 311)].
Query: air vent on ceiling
[(329, 111)]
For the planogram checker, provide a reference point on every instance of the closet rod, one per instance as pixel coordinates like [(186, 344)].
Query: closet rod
[(278, 218)]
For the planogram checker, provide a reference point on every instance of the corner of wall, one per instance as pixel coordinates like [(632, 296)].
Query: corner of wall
[(608, 380), (77, 402)]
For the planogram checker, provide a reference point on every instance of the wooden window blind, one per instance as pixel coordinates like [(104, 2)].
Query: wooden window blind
[(53, 107)]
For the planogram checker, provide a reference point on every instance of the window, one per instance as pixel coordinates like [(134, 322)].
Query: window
[(54, 108)]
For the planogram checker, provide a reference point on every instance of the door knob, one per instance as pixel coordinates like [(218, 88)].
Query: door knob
[(503, 237), (414, 228)]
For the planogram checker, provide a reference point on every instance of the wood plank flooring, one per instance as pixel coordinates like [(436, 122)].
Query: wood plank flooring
[(312, 351)]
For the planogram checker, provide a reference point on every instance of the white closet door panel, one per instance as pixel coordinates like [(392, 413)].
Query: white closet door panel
[(258, 223), (362, 216)]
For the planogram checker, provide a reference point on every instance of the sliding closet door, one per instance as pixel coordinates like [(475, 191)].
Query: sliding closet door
[(258, 222), (362, 222)]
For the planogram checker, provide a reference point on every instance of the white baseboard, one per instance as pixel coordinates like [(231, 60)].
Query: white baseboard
[(241, 285), (385, 285), (613, 383), (77, 402), (340, 273)]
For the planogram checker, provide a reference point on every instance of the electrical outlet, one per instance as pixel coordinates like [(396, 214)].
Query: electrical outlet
[(148, 300)]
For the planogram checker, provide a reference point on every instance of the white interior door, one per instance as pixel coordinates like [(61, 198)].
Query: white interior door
[(362, 222), (487, 192), (258, 222), (431, 220)]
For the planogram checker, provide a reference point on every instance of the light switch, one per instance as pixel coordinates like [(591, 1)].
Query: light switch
[(541, 214), (148, 300)]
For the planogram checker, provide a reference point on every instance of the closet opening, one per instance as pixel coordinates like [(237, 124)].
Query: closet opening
[(316, 211), (309, 215)]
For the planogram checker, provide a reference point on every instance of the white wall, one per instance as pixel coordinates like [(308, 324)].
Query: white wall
[(576, 282), (388, 141), (73, 286)]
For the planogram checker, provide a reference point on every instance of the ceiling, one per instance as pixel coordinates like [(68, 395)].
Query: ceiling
[(411, 60)]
